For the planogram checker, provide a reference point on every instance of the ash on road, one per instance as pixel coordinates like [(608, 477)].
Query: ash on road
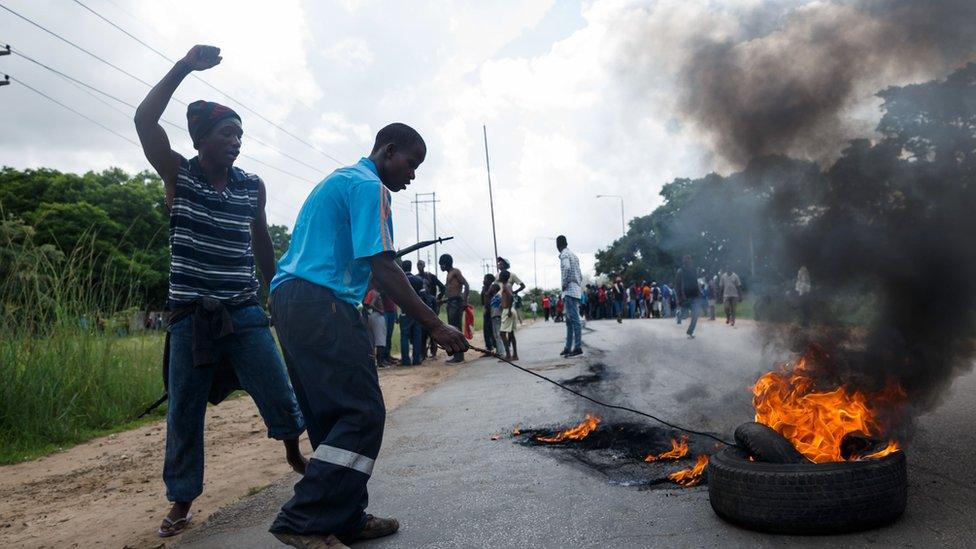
[(450, 485)]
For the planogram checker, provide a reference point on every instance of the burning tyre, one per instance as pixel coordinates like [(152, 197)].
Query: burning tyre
[(807, 498)]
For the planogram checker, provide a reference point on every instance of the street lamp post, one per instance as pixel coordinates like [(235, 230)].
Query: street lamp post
[(623, 231), (535, 263)]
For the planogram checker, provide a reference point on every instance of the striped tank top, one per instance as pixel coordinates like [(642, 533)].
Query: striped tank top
[(210, 237)]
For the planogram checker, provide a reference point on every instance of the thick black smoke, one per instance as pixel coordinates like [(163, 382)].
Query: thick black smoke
[(885, 226), (887, 229), (792, 89)]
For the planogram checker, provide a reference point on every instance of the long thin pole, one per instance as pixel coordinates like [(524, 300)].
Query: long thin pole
[(491, 200), (436, 257), (416, 209)]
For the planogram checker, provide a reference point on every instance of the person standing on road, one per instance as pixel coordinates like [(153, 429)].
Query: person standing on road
[(712, 296), (508, 315), (803, 287), (666, 297), (534, 307), (457, 298), (631, 300), (218, 335), (390, 315), (411, 335), (689, 294), (344, 235), (572, 280), (375, 321), (433, 290), (545, 308), (730, 294), (620, 298), (491, 344)]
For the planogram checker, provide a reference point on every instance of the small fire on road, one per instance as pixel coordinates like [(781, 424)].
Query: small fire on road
[(679, 449), (693, 475), (578, 432)]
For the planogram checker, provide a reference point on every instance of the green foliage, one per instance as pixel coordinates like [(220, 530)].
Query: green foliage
[(117, 219), (68, 371)]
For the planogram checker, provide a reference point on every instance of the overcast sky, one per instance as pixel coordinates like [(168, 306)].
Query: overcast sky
[(553, 82)]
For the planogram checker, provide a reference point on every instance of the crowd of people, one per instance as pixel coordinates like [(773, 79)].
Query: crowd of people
[(692, 293)]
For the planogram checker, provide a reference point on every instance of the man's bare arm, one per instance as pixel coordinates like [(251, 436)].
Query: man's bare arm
[(155, 142), (393, 282), (465, 289), (261, 242)]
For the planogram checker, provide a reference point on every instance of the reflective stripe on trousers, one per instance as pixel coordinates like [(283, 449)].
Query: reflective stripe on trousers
[(344, 458)]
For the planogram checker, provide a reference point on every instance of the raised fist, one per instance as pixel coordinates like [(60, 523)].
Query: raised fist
[(201, 58)]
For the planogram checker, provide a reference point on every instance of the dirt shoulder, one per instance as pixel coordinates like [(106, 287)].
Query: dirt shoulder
[(109, 492)]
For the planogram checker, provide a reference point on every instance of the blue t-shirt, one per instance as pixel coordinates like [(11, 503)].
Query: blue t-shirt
[(344, 221)]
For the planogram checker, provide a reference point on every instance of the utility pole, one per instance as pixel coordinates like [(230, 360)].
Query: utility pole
[(6, 77), (416, 208), (623, 231), (486, 265), (491, 200)]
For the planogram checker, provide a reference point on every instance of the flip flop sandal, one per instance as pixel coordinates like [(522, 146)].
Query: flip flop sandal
[(172, 527)]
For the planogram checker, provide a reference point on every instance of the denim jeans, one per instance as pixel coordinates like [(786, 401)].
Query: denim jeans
[(410, 335), (252, 352), (693, 303), (631, 307), (490, 343), (574, 337)]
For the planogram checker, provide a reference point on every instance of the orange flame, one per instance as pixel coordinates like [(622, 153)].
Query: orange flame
[(816, 421), (678, 450), (692, 476), (891, 448), (579, 432)]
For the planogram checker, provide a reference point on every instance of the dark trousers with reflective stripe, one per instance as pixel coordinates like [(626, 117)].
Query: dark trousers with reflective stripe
[(330, 360)]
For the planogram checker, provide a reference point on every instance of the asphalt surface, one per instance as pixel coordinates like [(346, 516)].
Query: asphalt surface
[(451, 485)]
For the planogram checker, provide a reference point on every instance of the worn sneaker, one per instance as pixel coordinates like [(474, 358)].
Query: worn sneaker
[(576, 352), (310, 541), (377, 527)]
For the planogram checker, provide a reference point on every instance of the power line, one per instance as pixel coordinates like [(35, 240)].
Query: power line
[(83, 50), (211, 86), (116, 133), (79, 113), (132, 106)]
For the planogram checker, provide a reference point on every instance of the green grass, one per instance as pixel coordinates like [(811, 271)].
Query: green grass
[(71, 386), (66, 377)]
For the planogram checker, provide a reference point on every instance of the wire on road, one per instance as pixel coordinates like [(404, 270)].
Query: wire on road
[(604, 404)]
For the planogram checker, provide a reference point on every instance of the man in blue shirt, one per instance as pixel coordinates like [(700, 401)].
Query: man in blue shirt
[(344, 234)]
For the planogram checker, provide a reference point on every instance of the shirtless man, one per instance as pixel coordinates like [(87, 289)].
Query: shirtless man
[(457, 297)]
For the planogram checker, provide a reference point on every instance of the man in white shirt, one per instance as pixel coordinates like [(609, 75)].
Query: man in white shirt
[(572, 280)]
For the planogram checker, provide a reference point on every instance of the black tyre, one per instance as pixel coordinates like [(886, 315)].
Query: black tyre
[(807, 498), (767, 445)]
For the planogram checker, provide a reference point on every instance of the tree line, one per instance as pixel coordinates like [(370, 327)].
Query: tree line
[(117, 221), (861, 214)]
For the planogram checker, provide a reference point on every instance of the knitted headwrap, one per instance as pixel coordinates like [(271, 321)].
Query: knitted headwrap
[(202, 116)]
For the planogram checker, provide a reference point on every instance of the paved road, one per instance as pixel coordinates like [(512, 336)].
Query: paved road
[(451, 485)]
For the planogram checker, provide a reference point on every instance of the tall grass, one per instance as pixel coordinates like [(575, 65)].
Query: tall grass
[(68, 370)]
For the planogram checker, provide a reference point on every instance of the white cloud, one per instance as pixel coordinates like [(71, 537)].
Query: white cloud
[(333, 128), (354, 52)]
